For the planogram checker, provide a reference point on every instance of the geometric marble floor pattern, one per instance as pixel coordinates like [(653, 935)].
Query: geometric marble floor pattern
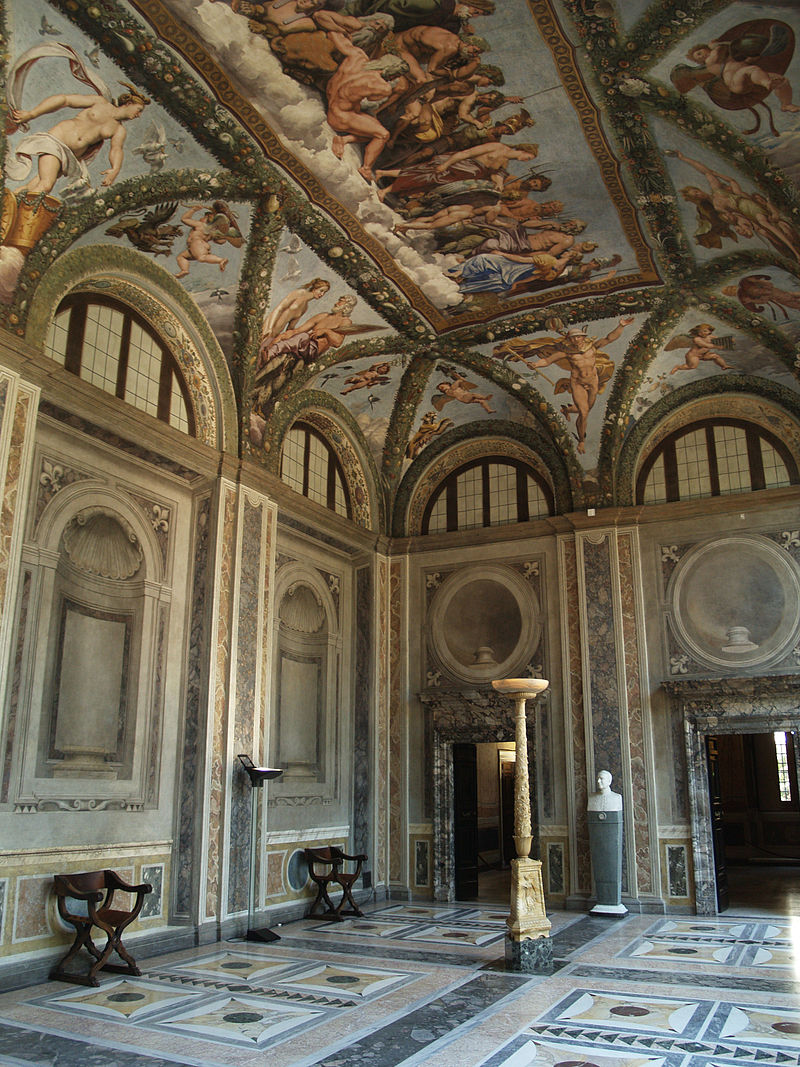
[(427, 984)]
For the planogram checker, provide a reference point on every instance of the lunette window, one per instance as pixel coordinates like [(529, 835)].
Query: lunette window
[(106, 343), (712, 458), (310, 466), (492, 491)]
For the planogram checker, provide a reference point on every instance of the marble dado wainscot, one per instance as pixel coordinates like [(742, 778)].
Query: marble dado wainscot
[(712, 706), (473, 716), (29, 921)]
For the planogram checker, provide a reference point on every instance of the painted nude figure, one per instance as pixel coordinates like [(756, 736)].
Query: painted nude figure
[(217, 224), (287, 314), (741, 76), (377, 374), (748, 214), (700, 344), (758, 291), (459, 388), (580, 353), (357, 80), (64, 148)]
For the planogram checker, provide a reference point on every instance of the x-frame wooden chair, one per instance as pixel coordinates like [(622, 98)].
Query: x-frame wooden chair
[(91, 887)]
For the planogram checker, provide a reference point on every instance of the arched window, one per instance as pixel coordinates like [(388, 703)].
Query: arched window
[(310, 466), (491, 491), (109, 345), (714, 457)]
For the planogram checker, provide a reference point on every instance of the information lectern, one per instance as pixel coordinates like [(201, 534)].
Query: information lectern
[(257, 775)]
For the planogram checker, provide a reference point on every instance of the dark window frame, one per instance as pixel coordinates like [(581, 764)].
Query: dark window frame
[(334, 467), (449, 486), (78, 305), (754, 434)]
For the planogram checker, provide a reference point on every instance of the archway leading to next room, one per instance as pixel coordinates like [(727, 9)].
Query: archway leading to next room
[(723, 708), (460, 720)]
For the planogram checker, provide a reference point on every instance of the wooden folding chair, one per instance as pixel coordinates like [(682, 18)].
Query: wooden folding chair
[(90, 888), (325, 867)]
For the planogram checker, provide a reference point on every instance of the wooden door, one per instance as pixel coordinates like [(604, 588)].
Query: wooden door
[(717, 827), (465, 820)]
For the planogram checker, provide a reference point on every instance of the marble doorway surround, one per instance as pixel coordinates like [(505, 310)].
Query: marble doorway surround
[(472, 716), (711, 706)]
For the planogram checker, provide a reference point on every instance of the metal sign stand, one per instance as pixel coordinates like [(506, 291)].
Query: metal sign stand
[(257, 775)]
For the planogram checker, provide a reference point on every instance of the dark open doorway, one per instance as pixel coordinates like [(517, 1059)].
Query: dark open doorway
[(483, 820), (755, 816)]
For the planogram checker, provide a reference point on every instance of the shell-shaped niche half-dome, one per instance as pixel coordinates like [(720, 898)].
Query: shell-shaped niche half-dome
[(301, 609), (98, 543)]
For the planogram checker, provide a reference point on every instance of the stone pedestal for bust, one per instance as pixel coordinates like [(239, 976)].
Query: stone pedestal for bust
[(605, 844)]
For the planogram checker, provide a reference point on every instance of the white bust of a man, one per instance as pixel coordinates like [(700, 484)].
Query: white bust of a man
[(605, 799)]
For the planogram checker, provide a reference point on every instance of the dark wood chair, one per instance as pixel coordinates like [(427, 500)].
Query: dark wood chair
[(325, 867), (91, 888)]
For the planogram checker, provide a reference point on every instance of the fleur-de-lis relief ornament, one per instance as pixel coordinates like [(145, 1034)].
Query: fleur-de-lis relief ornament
[(160, 518), (51, 476)]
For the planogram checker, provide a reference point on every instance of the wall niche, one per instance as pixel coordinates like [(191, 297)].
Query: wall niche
[(484, 622), (307, 683), (93, 655)]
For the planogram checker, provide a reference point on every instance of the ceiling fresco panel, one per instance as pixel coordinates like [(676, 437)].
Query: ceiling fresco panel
[(431, 222), (743, 64), (464, 154), (702, 346), (722, 209), (368, 389), (771, 293)]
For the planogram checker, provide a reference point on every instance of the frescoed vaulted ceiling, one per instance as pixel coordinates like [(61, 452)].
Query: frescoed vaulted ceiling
[(434, 218)]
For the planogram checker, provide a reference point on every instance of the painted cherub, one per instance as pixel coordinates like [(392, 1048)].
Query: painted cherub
[(456, 387), (701, 345)]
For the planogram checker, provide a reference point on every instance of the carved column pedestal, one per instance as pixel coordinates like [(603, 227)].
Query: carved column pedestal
[(528, 944)]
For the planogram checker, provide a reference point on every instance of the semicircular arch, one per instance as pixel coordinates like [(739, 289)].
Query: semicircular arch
[(344, 435), (752, 400), (91, 496), (460, 446), (151, 291)]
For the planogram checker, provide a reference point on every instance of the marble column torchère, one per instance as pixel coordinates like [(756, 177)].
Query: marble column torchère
[(528, 944)]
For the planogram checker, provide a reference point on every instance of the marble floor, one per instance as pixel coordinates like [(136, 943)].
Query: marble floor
[(426, 984)]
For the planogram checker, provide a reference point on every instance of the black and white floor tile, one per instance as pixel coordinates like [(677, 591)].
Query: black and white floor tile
[(427, 984)]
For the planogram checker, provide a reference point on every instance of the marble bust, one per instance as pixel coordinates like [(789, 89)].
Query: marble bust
[(605, 799)]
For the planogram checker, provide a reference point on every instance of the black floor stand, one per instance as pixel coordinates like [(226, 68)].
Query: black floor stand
[(257, 775)]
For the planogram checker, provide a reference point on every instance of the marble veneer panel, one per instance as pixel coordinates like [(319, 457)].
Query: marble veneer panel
[(396, 726), (30, 913), (382, 735), (192, 747), (247, 621), (361, 723), (636, 739), (221, 657), (16, 448), (13, 701), (576, 733), (602, 654), (599, 588)]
